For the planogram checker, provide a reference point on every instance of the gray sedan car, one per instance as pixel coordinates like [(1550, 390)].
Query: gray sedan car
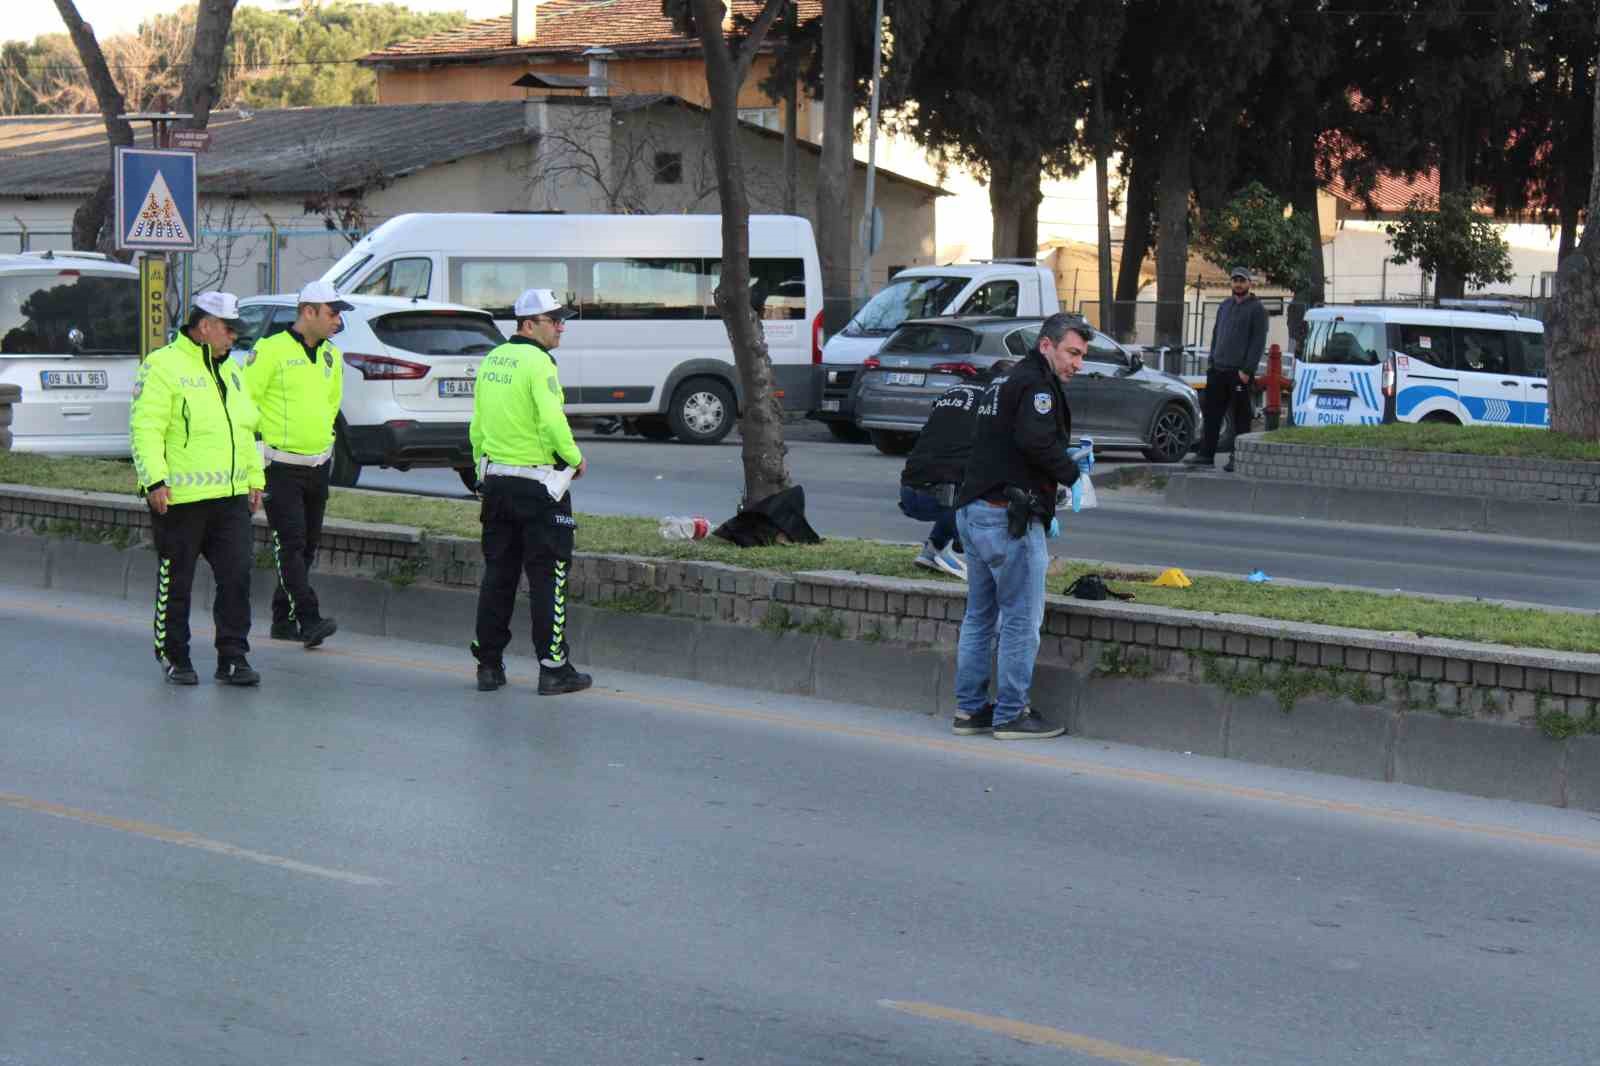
[(1115, 398)]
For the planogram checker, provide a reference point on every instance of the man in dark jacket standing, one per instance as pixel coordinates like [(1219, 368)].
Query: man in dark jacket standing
[(1237, 340), (936, 466), (1019, 458)]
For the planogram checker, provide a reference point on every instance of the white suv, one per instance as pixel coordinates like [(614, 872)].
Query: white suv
[(69, 337), (409, 371)]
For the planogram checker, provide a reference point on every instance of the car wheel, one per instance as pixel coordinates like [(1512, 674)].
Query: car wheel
[(1172, 436), (653, 427), (702, 411), (1442, 418), (891, 443), (346, 471), (849, 434)]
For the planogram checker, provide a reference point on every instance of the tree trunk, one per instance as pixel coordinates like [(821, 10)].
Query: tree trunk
[(1303, 198), (1135, 244), (1172, 241), (1573, 178), (760, 417), (1027, 246), (89, 231), (1453, 145), (1014, 204), (212, 23), (1572, 331), (835, 239), (1102, 204)]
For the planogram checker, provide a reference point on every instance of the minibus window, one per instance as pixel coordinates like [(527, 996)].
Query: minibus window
[(408, 278), (1482, 351), (777, 288), (1431, 343), (1532, 354), (493, 285)]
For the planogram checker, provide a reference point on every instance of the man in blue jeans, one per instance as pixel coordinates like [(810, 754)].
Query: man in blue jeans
[(1019, 458), (936, 467)]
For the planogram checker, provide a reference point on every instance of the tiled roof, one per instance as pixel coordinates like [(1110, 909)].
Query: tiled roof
[(291, 152), (565, 27), (1391, 193)]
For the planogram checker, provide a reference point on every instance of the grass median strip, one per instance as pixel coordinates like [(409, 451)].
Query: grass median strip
[(1503, 441), (1422, 616)]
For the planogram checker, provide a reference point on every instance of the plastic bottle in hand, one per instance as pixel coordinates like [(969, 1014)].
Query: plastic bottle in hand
[(685, 527)]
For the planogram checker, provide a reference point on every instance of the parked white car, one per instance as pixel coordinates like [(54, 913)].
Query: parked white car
[(410, 369), (69, 338)]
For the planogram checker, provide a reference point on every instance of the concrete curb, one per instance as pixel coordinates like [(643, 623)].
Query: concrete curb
[(1374, 499), (1330, 736)]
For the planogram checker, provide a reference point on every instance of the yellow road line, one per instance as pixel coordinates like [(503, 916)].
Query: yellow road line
[(1038, 1034), (983, 749), (183, 839)]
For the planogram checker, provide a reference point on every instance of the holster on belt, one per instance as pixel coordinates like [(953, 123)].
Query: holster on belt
[(1022, 506)]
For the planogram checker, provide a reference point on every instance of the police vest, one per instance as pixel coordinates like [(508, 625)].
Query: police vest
[(297, 392), (192, 425), (517, 413)]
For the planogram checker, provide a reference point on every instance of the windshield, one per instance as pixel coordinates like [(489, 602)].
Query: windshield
[(438, 332), (926, 339), (345, 269), (903, 298), (67, 312)]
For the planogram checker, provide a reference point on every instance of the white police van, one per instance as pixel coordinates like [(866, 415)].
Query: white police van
[(1366, 365), (648, 342)]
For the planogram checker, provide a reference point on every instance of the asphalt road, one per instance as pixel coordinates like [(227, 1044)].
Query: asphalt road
[(366, 861), (852, 491)]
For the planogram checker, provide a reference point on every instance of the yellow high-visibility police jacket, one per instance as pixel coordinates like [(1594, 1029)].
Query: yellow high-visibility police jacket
[(192, 425), (296, 390)]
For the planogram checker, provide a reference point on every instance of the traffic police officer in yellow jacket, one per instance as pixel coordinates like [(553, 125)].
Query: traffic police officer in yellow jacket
[(526, 458), (296, 377), (192, 428)]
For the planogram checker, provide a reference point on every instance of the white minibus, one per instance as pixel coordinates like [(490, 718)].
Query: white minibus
[(648, 342), (1365, 365)]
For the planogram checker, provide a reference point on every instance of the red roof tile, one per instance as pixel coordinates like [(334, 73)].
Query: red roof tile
[(565, 27)]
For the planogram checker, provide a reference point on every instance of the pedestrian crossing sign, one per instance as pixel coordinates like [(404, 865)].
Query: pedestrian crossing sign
[(156, 195)]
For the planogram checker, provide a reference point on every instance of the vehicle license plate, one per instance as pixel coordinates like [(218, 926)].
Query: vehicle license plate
[(1333, 403), (73, 379), (830, 405), (449, 387), (904, 378)]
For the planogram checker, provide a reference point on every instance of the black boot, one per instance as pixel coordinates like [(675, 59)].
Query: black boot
[(555, 681)]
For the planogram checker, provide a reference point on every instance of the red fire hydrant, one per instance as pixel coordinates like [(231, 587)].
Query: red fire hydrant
[(1274, 386)]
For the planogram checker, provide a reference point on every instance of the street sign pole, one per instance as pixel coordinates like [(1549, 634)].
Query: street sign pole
[(873, 230), (152, 302)]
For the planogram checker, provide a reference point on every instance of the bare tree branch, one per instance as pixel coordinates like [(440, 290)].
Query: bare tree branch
[(200, 83), (89, 220), (756, 37)]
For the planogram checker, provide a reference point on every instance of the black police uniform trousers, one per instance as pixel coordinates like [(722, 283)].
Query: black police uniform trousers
[(524, 531), (296, 499), (220, 532), (1225, 395)]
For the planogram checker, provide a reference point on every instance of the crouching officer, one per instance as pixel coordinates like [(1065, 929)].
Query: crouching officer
[(296, 378), (526, 458), (1019, 457), (192, 430)]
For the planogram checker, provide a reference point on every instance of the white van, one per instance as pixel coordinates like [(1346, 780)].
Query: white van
[(69, 337), (648, 341), (1365, 365), (1008, 289)]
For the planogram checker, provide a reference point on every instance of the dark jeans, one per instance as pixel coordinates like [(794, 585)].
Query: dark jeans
[(524, 530), (1225, 393), (220, 531), (924, 508), (297, 497)]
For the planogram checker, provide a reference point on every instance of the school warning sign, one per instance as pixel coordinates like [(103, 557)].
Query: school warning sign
[(156, 200)]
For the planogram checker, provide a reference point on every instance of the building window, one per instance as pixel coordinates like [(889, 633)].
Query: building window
[(765, 117), (669, 168)]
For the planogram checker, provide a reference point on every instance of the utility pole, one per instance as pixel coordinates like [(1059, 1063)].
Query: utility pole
[(869, 222)]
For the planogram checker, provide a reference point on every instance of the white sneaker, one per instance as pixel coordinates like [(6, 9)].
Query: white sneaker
[(927, 558), (951, 563)]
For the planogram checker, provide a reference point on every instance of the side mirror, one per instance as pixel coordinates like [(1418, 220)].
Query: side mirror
[(1135, 362)]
